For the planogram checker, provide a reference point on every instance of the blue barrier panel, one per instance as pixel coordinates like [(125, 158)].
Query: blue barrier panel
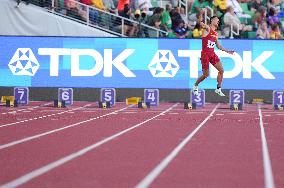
[(136, 63)]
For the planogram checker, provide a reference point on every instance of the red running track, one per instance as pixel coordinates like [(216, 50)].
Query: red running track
[(46, 119), (225, 152)]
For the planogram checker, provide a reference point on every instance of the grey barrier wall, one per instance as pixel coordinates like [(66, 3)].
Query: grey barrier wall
[(166, 95), (22, 21)]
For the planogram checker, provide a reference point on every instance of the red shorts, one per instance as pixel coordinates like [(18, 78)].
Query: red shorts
[(207, 58)]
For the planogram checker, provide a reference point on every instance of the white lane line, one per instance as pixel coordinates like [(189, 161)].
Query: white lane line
[(55, 130), (166, 161), (268, 175), (272, 112), (35, 118), (40, 171), (30, 108)]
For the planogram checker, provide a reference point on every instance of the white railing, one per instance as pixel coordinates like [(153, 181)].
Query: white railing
[(184, 3), (110, 22), (234, 32), (206, 17)]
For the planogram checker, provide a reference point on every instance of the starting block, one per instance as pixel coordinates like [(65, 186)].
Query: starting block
[(13, 103), (198, 99), (278, 99), (279, 107), (21, 94), (133, 100), (104, 104), (66, 95), (237, 99), (59, 104), (5, 98), (257, 101), (144, 105), (190, 106), (236, 106)]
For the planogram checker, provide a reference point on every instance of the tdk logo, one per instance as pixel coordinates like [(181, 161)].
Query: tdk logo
[(243, 65), (163, 64), (23, 62), (104, 62)]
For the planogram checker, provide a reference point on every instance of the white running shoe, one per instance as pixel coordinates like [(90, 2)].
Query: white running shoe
[(219, 92), (195, 90)]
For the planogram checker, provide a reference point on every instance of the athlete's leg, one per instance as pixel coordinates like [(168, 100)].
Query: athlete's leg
[(220, 69), (205, 69), (202, 77)]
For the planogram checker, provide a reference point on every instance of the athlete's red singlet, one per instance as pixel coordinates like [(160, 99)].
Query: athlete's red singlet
[(207, 54), (209, 41)]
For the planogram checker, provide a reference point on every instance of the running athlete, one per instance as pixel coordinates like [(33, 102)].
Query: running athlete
[(209, 39)]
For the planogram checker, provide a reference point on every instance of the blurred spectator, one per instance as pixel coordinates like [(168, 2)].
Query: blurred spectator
[(197, 31), (109, 5), (108, 19), (141, 18), (121, 4), (104, 20), (144, 4), (259, 16), (138, 30), (58, 5), (272, 17), (86, 2), (276, 4), (256, 4), (144, 17), (133, 4), (237, 9), (262, 31), (166, 21), (136, 17), (181, 30), (230, 18), (75, 10), (221, 5), (127, 27), (275, 32), (176, 17), (98, 4), (197, 7), (155, 21), (142, 30), (182, 13)]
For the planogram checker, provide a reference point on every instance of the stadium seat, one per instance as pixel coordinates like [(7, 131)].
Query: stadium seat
[(251, 34), (246, 10), (154, 3)]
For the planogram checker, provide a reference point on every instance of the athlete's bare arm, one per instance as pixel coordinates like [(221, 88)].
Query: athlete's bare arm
[(223, 49), (206, 29)]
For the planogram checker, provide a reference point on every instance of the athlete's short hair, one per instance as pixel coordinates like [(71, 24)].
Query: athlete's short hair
[(213, 18)]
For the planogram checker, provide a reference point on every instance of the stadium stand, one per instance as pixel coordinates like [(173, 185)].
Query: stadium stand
[(21, 21), (174, 18)]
